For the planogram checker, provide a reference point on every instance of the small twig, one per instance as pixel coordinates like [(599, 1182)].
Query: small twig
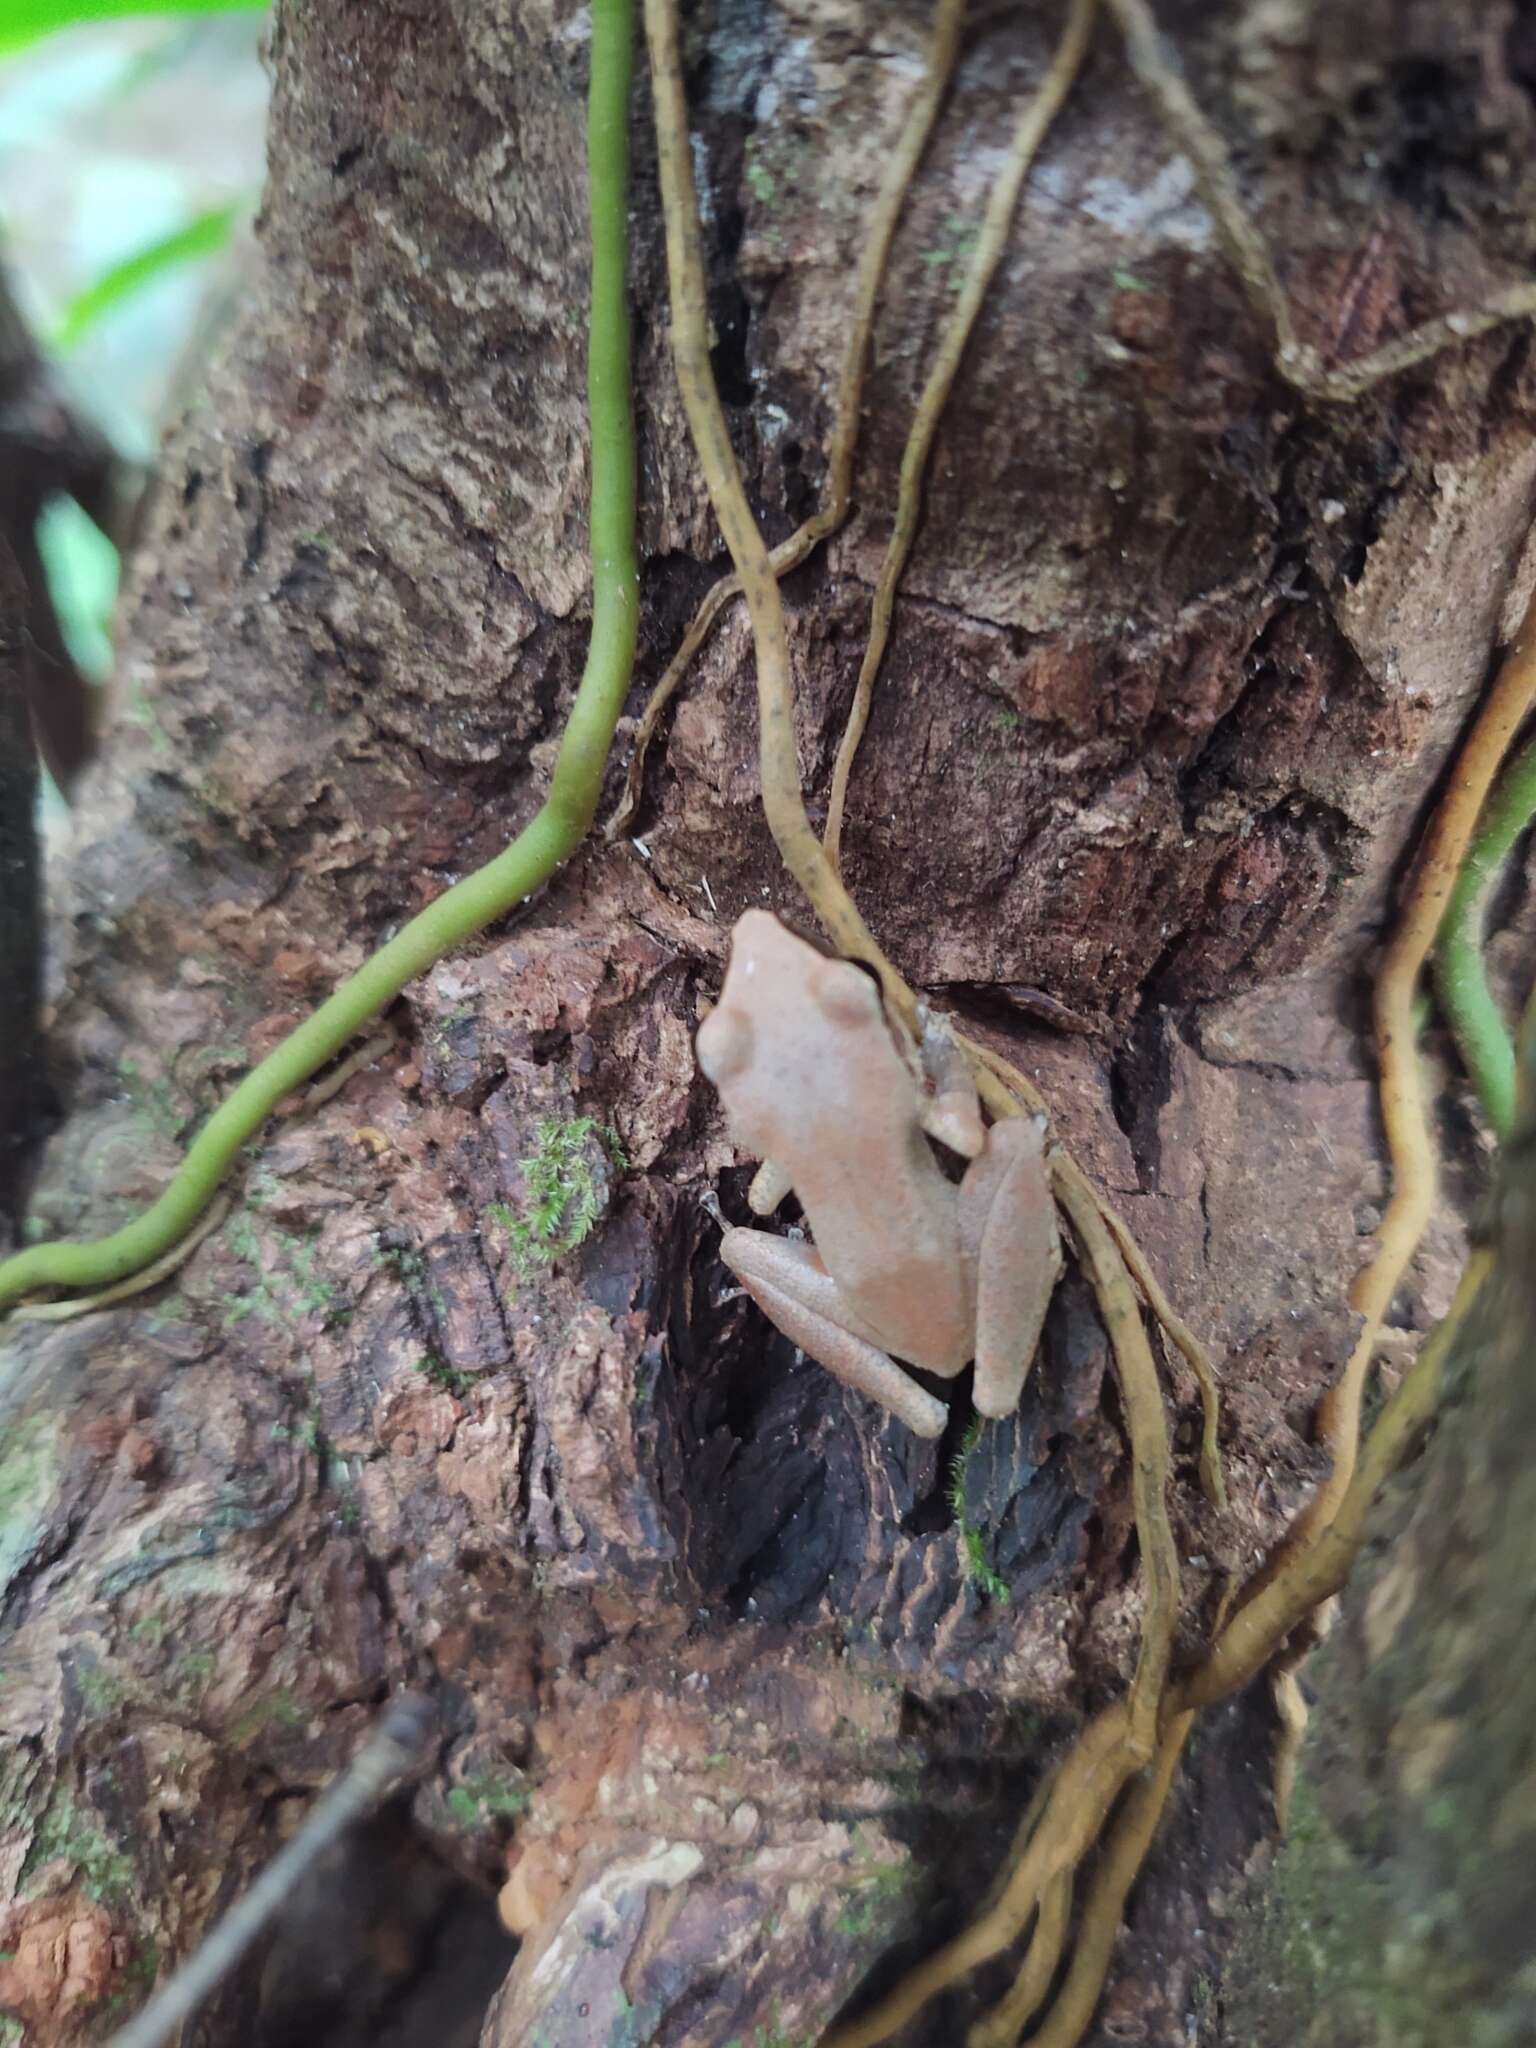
[(1141, 1400), (1089, 1781), (1183, 1339), (397, 1746), (943, 44), (991, 242), (1243, 1646), (1121, 1857), (783, 804), (1157, 68), (1290, 1704), (138, 1283), (1259, 1627), (1002, 2026), (333, 1083)]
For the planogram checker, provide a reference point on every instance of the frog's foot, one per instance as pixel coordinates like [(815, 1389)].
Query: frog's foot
[(798, 1295)]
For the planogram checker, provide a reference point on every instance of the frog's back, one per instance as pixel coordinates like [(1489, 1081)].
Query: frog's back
[(813, 1080)]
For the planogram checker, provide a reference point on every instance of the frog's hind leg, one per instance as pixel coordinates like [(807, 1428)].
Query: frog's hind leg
[(799, 1296), (1008, 1227)]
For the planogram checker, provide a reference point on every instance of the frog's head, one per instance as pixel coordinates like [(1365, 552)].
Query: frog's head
[(780, 1030)]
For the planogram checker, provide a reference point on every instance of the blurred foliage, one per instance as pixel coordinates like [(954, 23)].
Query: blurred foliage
[(204, 236), (130, 155), (81, 565), (24, 21)]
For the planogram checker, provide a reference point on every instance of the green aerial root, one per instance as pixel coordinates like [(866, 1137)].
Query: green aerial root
[(562, 822), (1482, 1037)]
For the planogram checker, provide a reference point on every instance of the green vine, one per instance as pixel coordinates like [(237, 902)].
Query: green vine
[(1461, 980), (567, 812)]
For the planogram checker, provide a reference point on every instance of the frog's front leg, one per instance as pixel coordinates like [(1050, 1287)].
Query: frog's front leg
[(770, 1184), (798, 1295), (952, 1111), (1008, 1231)]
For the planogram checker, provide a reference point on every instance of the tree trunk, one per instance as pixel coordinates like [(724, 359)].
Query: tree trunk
[(1399, 1910), (1178, 662)]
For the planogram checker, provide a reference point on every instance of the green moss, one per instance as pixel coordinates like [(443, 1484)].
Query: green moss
[(100, 1691), (68, 1832), (409, 1266), (563, 1199), (760, 182), (484, 1797), (1324, 1959), (288, 1284), (953, 253), (278, 1709), (874, 1897), (158, 1100), (166, 1312), (632, 2026), (194, 1668), (451, 1378), (774, 2035), (979, 1569)]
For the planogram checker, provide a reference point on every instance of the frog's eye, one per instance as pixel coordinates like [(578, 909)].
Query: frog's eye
[(724, 1043), (845, 993)]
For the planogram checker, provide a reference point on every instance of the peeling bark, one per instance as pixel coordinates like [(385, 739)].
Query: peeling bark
[(1177, 667)]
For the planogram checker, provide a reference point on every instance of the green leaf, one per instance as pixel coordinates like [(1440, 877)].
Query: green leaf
[(80, 564), (23, 21), (202, 237)]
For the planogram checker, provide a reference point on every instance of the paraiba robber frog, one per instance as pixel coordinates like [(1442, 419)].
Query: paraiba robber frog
[(906, 1264)]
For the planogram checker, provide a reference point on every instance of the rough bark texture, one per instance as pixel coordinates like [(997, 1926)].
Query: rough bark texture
[(1400, 1909), (1177, 668)]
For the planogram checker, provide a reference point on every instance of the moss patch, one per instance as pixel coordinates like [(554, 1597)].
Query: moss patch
[(1325, 1959), (29, 1470), (70, 1832), (564, 1192)]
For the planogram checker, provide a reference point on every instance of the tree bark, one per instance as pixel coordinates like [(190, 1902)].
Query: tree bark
[(1400, 1907), (1178, 663)]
